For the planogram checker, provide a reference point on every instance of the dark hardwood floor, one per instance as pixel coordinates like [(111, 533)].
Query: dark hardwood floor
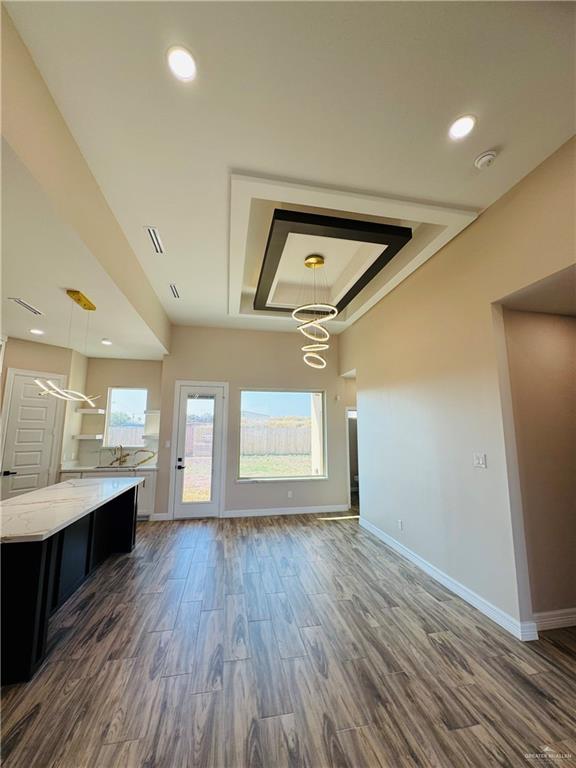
[(279, 643)]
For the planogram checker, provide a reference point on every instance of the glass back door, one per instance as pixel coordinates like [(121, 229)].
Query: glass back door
[(198, 469)]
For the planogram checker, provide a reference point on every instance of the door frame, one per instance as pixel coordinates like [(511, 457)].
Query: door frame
[(174, 442), (349, 479), (56, 457)]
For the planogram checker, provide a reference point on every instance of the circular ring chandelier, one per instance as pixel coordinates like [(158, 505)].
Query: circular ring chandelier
[(314, 360), (314, 331), (313, 327), (327, 312)]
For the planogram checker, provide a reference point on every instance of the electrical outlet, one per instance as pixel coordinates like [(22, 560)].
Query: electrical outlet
[(400, 525), (290, 494), (479, 461)]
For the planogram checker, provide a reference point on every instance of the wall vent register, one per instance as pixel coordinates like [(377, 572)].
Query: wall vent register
[(154, 236), (25, 305)]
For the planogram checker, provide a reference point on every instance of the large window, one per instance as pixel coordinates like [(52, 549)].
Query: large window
[(281, 435), (125, 417)]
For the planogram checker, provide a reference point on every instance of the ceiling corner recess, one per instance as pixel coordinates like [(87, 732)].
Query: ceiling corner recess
[(297, 224), (370, 245)]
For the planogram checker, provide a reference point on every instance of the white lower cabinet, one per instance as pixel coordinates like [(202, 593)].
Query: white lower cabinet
[(146, 491)]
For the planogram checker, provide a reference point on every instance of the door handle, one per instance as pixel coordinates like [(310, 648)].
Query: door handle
[(178, 466), (7, 472)]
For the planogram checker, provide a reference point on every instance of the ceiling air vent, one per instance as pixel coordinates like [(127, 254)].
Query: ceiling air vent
[(25, 305), (174, 290), (155, 237)]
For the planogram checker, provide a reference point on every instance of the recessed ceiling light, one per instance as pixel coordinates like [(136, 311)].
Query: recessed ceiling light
[(462, 127), (106, 342), (36, 331), (181, 63)]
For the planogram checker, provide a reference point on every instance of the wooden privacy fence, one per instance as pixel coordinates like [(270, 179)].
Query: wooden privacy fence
[(257, 440), (278, 440), (125, 435), (198, 440)]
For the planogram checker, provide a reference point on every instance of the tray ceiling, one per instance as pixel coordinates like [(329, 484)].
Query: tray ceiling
[(353, 251), (408, 232), (366, 111)]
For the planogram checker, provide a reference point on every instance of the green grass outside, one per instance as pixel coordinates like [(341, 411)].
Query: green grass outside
[(289, 465), (197, 477)]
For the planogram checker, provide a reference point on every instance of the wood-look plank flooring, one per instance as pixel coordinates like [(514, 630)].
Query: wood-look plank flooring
[(284, 643)]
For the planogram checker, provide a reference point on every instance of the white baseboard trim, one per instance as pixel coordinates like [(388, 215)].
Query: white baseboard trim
[(523, 630), (285, 511), (271, 511), (564, 617)]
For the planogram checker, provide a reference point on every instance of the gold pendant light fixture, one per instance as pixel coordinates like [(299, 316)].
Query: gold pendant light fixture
[(47, 386), (311, 318)]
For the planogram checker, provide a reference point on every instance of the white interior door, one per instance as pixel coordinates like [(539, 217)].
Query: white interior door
[(31, 438), (199, 439)]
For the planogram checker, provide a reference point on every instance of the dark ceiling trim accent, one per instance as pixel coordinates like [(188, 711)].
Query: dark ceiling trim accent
[(286, 222)]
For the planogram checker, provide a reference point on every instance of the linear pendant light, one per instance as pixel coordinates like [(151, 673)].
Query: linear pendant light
[(47, 386)]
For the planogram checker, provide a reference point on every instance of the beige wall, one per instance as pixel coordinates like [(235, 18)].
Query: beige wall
[(72, 419), (32, 356), (92, 375), (108, 372), (257, 360), (542, 359), (349, 393), (426, 360)]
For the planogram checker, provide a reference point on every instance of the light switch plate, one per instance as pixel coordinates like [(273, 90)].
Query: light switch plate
[(479, 461)]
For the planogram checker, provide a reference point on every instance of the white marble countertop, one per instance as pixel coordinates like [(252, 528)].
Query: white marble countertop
[(115, 468), (37, 515)]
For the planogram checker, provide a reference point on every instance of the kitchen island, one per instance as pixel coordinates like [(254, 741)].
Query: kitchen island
[(52, 539)]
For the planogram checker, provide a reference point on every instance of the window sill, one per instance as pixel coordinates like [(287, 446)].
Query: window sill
[(281, 479)]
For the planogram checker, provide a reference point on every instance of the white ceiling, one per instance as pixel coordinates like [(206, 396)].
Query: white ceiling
[(345, 262), (41, 258), (356, 96)]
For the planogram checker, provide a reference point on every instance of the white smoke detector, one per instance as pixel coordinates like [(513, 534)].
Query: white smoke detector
[(485, 160)]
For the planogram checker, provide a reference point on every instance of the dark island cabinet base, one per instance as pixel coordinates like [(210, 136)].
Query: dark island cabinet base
[(39, 576)]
